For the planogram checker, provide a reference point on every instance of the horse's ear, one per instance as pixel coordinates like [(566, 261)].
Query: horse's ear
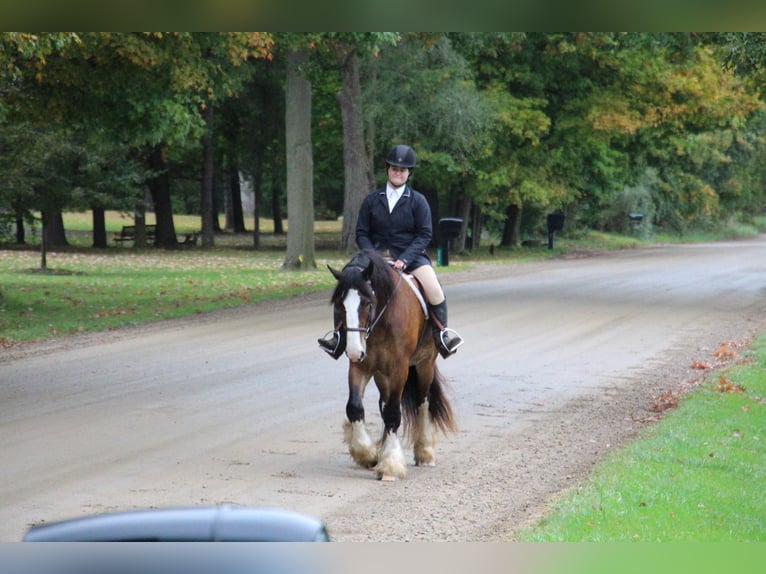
[(367, 273), (337, 274)]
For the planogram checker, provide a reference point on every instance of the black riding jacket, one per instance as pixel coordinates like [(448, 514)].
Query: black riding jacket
[(404, 233)]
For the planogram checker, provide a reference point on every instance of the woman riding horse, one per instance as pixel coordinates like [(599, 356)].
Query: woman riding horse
[(396, 220)]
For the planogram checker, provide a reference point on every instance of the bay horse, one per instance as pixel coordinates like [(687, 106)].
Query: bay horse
[(388, 338)]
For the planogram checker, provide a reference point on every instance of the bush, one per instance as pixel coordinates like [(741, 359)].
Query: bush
[(631, 200)]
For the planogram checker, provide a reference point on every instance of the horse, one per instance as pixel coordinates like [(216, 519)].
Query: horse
[(388, 338)]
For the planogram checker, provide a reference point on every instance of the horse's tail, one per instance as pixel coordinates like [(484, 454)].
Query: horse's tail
[(439, 407)]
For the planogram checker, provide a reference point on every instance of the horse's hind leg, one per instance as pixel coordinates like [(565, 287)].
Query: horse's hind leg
[(425, 438), (423, 432)]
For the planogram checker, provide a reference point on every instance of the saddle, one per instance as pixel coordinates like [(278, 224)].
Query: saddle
[(416, 287)]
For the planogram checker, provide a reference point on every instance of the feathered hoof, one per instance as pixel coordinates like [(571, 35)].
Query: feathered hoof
[(387, 477), (424, 455), (360, 446)]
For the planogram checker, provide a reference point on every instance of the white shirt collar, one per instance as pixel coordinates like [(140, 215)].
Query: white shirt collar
[(393, 194)]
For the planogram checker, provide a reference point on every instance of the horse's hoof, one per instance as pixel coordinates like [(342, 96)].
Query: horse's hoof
[(425, 463), (387, 477)]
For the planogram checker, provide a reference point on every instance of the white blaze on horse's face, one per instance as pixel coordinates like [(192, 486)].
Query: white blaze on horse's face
[(355, 341)]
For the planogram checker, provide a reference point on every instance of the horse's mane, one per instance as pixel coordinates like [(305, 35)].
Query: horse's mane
[(381, 278)]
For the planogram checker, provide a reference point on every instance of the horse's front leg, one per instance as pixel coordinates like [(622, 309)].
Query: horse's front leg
[(360, 445), (391, 463)]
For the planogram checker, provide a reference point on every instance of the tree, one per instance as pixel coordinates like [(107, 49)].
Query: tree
[(347, 48), (422, 92), (146, 90), (617, 106), (299, 160)]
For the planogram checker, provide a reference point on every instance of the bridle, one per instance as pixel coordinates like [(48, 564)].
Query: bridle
[(377, 316)]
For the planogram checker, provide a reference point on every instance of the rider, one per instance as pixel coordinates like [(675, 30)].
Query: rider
[(396, 221)]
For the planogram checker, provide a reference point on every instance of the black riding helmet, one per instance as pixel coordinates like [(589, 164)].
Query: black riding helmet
[(401, 156)]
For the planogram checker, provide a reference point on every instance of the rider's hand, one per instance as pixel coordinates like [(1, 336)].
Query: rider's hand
[(399, 264)]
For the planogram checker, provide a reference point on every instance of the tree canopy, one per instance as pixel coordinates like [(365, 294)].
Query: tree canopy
[(507, 126)]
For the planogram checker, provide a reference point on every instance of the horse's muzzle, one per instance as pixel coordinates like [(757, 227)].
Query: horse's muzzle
[(356, 358)]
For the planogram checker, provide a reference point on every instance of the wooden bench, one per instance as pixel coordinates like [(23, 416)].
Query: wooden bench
[(128, 233), (191, 238)]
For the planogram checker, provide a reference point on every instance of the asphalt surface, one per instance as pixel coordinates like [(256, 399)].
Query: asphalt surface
[(560, 363)]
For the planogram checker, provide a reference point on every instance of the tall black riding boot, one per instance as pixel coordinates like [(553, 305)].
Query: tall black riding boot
[(447, 340), (334, 342)]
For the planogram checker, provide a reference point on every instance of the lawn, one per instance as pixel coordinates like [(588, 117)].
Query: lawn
[(696, 476)]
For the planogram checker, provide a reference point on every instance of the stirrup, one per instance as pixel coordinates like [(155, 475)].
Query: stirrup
[(325, 343), (444, 349)]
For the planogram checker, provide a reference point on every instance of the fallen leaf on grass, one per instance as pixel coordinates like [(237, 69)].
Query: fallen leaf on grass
[(724, 385)]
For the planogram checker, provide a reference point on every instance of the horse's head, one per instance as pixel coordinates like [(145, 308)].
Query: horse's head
[(354, 299)]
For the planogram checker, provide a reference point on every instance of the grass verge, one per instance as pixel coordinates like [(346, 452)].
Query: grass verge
[(101, 291), (696, 476)]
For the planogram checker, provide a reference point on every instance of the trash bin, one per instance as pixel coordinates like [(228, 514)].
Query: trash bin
[(449, 229), (555, 223)]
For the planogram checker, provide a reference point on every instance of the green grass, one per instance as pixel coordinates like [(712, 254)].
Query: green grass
[(695, 476), (106, 290)]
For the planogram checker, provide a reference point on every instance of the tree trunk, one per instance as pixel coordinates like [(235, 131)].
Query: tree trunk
[(356, 181), (139, 223), (54, 233), (20, 234), (159, 188), (206, 202), (476, 227), (300, 164), (369, 135), (257, 198), (464, 212), (236, 217), (276, 205), (217, 199), (432, 196), (99, 227), (43, 242), (512, 227)]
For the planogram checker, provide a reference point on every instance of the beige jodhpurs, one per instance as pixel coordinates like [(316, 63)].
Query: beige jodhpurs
[(427, 277)]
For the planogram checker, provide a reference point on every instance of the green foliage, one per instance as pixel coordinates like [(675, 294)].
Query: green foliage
[(568, 121), (52, 168), (423, 95)]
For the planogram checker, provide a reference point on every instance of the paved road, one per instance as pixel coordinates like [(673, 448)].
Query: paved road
[(241, 407)]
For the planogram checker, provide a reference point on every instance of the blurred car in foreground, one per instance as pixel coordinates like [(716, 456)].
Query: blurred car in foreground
[(201, 524)]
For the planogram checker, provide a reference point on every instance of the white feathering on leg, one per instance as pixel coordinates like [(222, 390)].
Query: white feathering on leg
[(360, 445), (425, 438), (391, 464)]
